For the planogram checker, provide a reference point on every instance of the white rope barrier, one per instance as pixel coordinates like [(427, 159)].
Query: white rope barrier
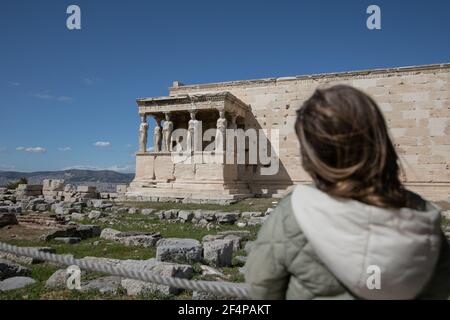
[(222, 289)]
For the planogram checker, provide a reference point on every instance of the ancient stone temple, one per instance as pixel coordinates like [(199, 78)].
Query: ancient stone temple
[(188, 157), (195, 173)]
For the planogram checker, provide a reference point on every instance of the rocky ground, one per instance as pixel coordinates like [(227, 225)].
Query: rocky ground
[(192, 241)]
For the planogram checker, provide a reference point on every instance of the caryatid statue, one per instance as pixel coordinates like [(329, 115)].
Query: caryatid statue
[(143, 129), (191, 134), (167, 133), (221, 131), (157, 135)]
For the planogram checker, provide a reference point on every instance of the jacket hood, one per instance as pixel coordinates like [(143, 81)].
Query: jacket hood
[(357, 242)]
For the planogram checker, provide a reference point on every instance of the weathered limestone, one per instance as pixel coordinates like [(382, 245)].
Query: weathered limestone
[(28, 190), (52, 187), (218, 253), (185, 215), (16, 283), (57, 279), (104, 285), (250, 214), (100, 203), (227, 217), (109, 234), (179, 250), (81, 194), (256, 221), (135, 287), (86, 189), (235, 239), (95, 214), (76, 216), (136, 239), (147, 211), (168, 214), (121, 189)]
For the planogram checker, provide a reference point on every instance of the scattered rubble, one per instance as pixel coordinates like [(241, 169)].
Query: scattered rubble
[(16, 283), (218, 252), (104, 285), (78, 231), (23, 259), (64, 210), (179, 250), (53, 204), (135, 287), (10, 269), (7, 219), (138, 239)]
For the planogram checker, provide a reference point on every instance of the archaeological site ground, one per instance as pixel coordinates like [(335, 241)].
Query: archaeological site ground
[(189, 213)]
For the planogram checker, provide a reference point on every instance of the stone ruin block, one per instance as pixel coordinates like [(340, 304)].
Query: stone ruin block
[(178, 250), (86, 189), (28, 190), (80, 193), (29, 187), (219, 252), (113, 195), (121, 188), (70, 188), (136, 287), (53, 185), (69, 192)]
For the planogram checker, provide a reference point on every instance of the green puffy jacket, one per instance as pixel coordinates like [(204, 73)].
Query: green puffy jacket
[(314, 246)]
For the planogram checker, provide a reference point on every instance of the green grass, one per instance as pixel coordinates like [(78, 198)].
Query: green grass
[(253, 204), (105, 249), (111, 249), (151, 223), (38, 291)]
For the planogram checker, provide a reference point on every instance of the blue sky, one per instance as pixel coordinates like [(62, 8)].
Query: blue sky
[(68, 97)]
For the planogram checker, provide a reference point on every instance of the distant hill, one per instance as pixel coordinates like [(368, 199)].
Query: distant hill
[(104, 180)]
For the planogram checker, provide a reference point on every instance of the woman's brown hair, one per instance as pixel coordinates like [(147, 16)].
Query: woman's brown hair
[(346, 148)]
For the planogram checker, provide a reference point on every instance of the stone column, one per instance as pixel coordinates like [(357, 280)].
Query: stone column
[(167, 133), (193, 135), (221, 130), (143, 131), (157, 135)]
